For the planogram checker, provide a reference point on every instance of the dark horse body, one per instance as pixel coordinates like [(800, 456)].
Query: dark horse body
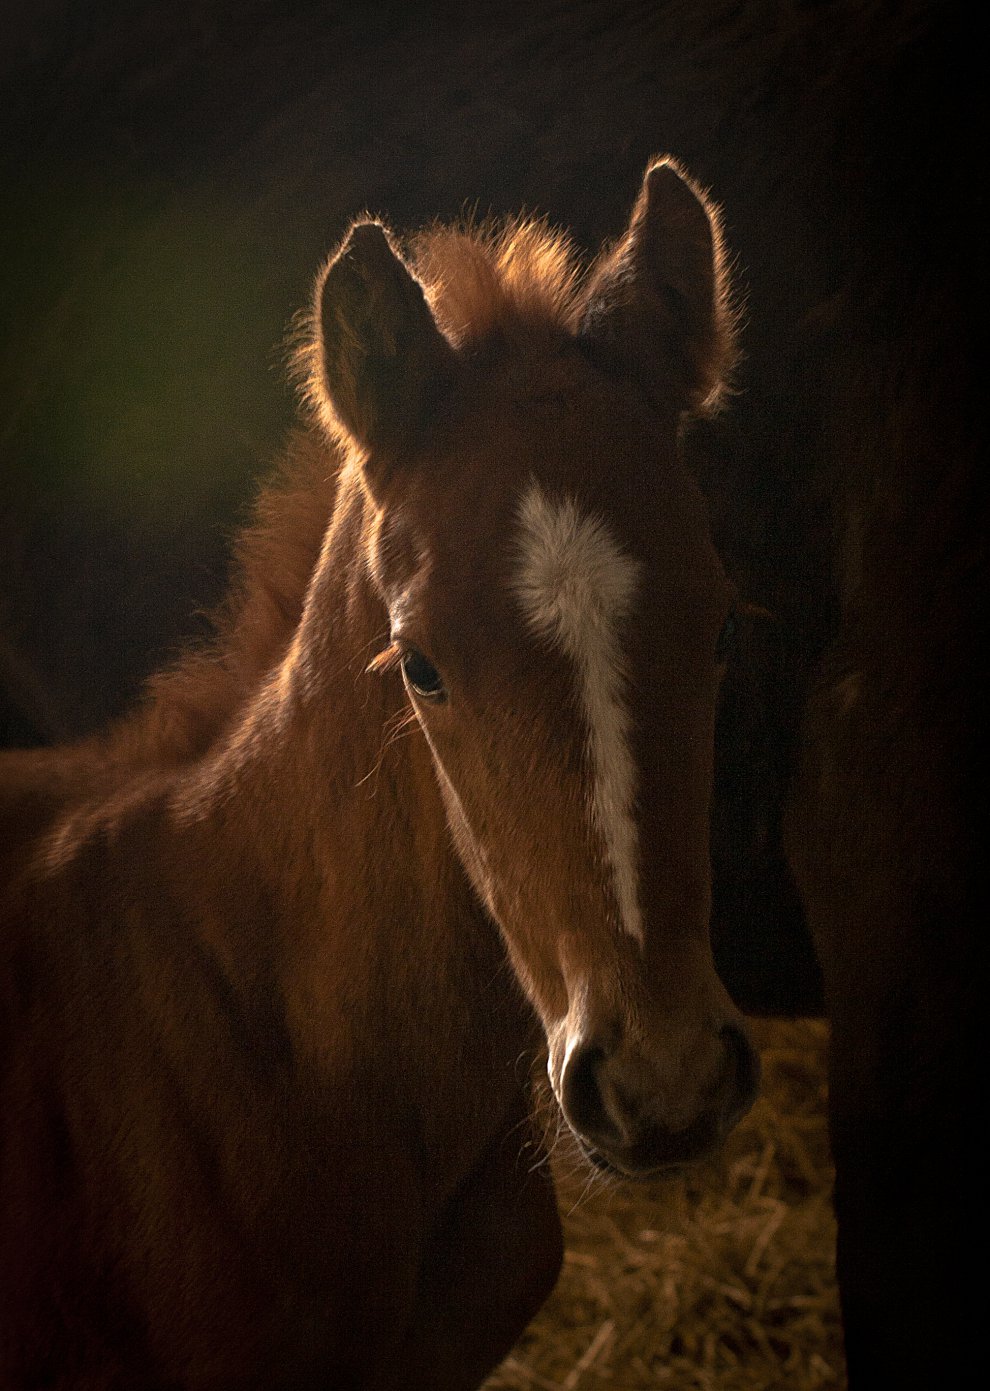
[(847, 483)]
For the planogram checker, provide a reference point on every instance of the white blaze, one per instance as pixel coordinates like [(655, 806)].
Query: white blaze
[(575, 585)]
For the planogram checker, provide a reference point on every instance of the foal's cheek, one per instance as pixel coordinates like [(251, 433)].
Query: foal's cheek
[(533, 957), (539, 976), (470, 850), (493, 837)]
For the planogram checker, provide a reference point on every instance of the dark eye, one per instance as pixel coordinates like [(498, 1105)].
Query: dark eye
[(726, 640), (423, 676)]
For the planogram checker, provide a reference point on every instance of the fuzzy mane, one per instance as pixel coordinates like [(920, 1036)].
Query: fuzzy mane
[(507, 283), (506, 280)]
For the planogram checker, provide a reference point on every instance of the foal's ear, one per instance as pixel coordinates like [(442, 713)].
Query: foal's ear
[(657, 304), (380, 360)]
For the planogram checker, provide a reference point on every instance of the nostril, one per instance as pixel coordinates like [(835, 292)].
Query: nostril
[(582, 1098), (743, 1067)]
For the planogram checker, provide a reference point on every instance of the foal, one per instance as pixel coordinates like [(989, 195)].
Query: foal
[(264, 1114)]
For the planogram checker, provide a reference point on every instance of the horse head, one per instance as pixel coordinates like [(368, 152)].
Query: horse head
[(559, 615)]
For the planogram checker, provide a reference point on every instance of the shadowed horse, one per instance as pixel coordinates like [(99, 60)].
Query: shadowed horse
[(264, 1117)]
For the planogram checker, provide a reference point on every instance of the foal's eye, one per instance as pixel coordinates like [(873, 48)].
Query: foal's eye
[(726, 641), (423, 676)]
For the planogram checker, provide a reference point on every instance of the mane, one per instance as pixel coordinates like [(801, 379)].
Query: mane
[(511, 284), (506, 282)]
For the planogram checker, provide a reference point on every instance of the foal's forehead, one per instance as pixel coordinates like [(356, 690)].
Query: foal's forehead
[(588, 448), (551, 476), (562, 424)]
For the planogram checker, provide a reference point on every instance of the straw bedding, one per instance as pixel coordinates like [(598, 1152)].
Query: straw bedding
[(721, 1279)]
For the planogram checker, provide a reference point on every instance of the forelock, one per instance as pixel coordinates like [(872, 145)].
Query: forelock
[(513, 280)]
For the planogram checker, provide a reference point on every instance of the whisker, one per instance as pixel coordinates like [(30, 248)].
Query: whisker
[(396, 727)]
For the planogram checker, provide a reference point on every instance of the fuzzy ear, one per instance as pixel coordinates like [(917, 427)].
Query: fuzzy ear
[(380, 360), (657, 304)]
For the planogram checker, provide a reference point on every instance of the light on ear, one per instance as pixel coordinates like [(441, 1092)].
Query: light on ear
[(657, 307), (379, 359)]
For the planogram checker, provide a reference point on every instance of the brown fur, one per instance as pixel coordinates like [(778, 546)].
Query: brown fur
[(263, 1079)]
